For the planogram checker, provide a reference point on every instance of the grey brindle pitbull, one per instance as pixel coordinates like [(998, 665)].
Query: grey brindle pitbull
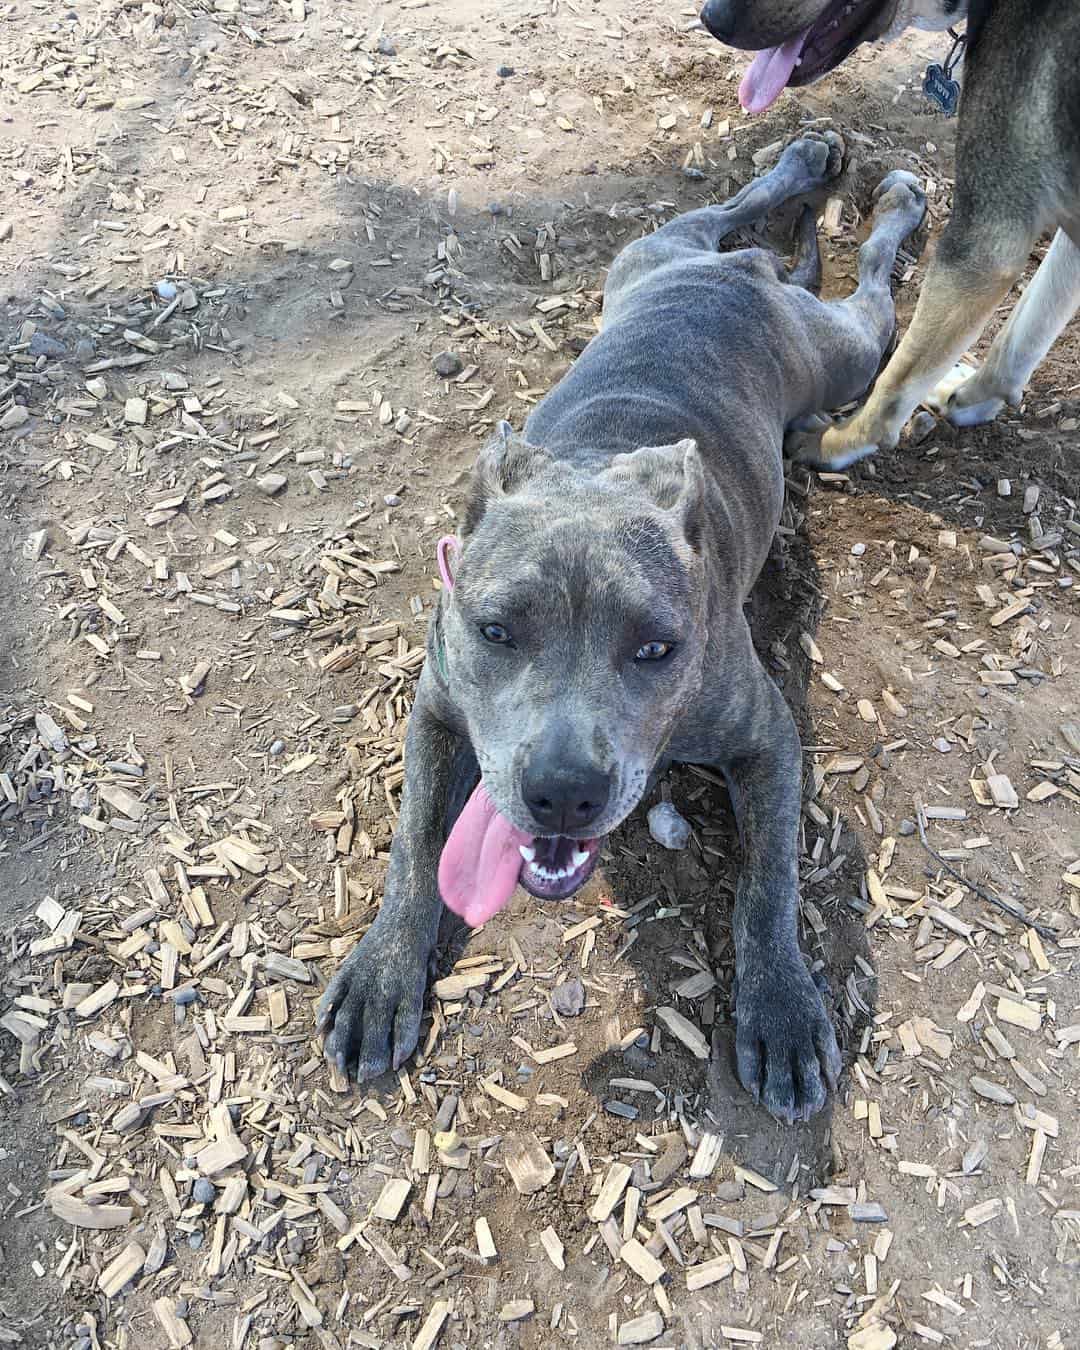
[(595, 632)]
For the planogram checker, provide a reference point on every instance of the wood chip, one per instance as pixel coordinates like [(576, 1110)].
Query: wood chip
[(122, 1269), (641, 1262), (429, 1333), (615, 1182), (392, 1200), (684, 1031), (709, 1272), (528, 1163), (641, 1330)]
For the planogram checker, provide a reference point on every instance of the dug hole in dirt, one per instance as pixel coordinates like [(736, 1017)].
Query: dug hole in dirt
[(271, 274)]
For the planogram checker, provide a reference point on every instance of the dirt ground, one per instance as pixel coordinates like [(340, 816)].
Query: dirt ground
[(234, 236)]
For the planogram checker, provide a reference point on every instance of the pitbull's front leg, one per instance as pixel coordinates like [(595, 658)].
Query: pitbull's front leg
[(371, 1009), (785, 1044)]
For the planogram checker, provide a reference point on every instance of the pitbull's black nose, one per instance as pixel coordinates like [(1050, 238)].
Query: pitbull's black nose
[(563, 793), (719, 17)]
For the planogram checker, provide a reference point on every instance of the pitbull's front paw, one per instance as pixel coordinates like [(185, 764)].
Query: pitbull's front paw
[(371, 1009), (785, 1045)]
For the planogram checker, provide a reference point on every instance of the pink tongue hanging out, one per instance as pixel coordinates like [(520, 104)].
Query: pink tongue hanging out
[(480, 861), (769, 73)]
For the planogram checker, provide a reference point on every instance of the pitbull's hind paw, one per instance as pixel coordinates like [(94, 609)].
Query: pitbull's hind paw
[(829, 448), (785, 1045), (372, 1007), (818, 155)]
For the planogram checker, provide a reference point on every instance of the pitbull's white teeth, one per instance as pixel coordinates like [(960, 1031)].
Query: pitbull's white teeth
[(580, 858), (528, 853)]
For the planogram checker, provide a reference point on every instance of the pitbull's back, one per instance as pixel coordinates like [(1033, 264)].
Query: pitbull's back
[(708, 371)]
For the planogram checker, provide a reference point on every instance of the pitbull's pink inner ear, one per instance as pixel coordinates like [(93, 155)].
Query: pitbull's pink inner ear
[(445, 552)]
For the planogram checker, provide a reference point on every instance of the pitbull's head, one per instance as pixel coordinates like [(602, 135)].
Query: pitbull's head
[(574, 635), (798, 41)]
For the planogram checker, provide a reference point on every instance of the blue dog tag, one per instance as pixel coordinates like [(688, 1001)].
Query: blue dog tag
[(941, 89)]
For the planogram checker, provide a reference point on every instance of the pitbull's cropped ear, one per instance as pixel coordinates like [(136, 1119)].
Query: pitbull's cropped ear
[(505, 462), (674, 478)]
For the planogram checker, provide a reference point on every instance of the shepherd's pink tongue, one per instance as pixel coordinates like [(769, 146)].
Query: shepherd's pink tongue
[(769, 73), (480, 861)]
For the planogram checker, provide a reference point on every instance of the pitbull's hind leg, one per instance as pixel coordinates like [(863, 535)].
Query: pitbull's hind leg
[(805, 270), (851, 336), (807, 164)]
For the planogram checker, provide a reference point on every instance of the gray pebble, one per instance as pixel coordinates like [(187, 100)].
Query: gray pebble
[(195, 1241), (392, 499), (203, 1192), (277, 748), (568, 998), (448, 364), (43, 345), (667, 827)]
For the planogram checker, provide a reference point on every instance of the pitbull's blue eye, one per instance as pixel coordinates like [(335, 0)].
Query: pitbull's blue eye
[(654, 651), (495, 632)]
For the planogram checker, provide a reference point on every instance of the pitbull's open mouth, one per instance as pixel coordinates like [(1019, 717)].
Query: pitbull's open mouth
[(811, 53), (486, 856), (555, 867)]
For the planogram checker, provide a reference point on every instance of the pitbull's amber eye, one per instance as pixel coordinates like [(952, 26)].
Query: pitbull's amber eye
[(495, 632), (654, 651)]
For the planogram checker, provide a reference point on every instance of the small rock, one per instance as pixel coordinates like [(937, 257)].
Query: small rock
[(392, 499), (992, 1092), (667, 827), (277, 748), (622, 1109), (41, 344), (385, 47), (504, 72), (730, 1191), (868, 1212), (448, 364), (14, 417), (695, 175), (568, 998), (857, 550), (923, 424), (203, 1192), (270, 484), (905, 828), (166, 290), (195, 1241)]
